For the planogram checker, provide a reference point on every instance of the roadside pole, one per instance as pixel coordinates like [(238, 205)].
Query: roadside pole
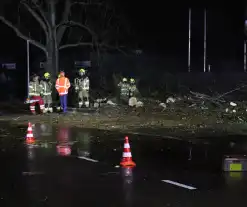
[(28, 68)]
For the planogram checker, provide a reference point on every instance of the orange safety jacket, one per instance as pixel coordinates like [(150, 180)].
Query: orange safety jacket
[(62, 85)]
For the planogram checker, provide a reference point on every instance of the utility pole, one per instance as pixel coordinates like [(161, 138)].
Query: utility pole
[(205, 41), (189, 41), (28, 66), (244, 55)]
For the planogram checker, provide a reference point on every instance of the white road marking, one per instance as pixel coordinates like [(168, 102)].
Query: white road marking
[(88, 159), (32, 145), (16, 118), (179, 184)]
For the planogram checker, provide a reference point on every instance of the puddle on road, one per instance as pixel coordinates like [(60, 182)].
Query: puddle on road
[(107, 147), (153, 153)]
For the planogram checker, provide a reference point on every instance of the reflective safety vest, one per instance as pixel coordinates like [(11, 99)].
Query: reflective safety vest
[(82, 83), (46, 87), (124, 89), (132, 89), (34, 89), (62, 85)]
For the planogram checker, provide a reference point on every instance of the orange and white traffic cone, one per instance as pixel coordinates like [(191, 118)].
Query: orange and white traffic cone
[(29, 137), (127, 156)]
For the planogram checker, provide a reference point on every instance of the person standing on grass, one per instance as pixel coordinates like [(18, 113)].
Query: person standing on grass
[(62, 86)]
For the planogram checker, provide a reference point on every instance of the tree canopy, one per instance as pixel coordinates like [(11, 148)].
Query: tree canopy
[(53, 25)]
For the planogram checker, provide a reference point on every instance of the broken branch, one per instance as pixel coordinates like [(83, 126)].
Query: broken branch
[(236, 89), (205, 97), (19, 34)]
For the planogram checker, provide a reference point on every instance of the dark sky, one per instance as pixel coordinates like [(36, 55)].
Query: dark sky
[(163, 28), (170, 23)]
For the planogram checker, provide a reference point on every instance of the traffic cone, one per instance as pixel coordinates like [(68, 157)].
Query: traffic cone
[(29, 137), (127, 156)]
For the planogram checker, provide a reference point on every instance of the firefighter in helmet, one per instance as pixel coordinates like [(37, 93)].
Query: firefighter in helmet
[(82, 86), (46, 86), (124, 89), (133, 91), (35, 92)]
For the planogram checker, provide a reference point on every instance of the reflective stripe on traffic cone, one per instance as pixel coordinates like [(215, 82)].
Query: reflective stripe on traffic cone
[(127, 156), (29, 137)]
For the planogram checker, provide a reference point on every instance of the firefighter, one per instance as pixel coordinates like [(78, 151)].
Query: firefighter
[(46, 86), (82, 88), (62, 86), (124, 90), (35, 95), (133, 91)]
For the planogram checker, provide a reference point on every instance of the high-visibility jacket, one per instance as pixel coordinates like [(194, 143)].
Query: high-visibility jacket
[(133, 90), (82, 83), (34, 88), (46, 87), (62, 85), (124, 89)]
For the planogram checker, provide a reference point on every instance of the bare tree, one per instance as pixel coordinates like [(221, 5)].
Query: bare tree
[(55, 24)]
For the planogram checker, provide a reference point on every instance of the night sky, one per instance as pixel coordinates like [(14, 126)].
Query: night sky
[(162, 29)]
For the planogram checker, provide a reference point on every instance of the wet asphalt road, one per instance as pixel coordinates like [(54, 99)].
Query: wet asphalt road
[(39, 175)]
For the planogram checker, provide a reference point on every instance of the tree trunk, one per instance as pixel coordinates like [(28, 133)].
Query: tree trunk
[(56, 51), (56, 61), (52, 54), (51, 65), (51, 59)]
